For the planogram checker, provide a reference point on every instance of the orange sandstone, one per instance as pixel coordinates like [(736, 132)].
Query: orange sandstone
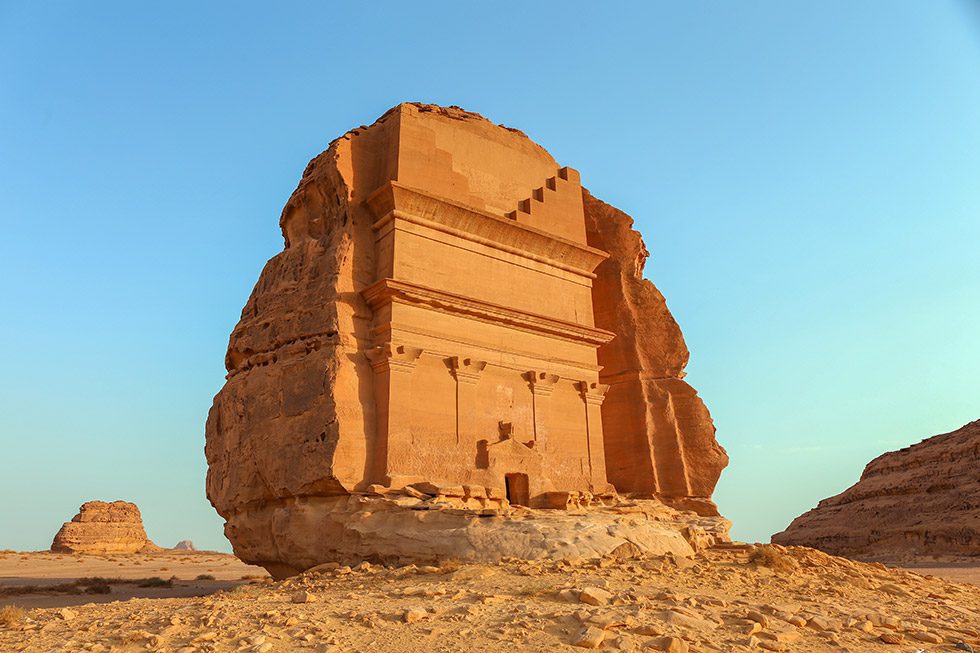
[(103, 528), (452, 316)]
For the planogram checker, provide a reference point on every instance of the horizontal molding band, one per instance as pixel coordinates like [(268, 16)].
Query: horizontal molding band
[(387, 291)]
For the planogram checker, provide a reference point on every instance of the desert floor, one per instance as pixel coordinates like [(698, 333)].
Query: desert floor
[(46, 575), (724, 599)]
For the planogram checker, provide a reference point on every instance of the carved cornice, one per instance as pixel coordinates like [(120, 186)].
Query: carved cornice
[(593, 393), (541, 383), (388, 291), (466, 370), (391, 357), (394, 201)]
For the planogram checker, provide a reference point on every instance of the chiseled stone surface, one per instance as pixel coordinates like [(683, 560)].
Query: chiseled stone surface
[(103, 528), (451, 308), (923, 500)]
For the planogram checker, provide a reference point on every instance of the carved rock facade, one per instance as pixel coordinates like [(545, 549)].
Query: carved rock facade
[(451, 307)]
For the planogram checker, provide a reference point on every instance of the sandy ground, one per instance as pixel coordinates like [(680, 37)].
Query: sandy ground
[(961, 573), (726, 599), (43, 569)]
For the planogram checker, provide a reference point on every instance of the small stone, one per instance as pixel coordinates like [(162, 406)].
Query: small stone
[(413, 615), (650, 630), (591, 637), (67, 614), (892, 638), (303, 597), (894, 590), (670, 645), (758, 617), (771, 645), (594, 596), (926, 636)]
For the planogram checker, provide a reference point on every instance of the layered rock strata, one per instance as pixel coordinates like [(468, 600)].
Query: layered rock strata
[(921, 501), (104, 528), (451, 307)]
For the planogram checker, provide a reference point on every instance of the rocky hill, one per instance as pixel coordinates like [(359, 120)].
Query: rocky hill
[(923, 500), (103, 528)]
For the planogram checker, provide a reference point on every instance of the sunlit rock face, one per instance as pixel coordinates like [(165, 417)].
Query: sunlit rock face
[(103, 528), (452, 313), (921, 501)]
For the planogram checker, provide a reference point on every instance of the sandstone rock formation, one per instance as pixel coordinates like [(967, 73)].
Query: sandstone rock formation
[(452, 308), (185, 545), (923, 500), (103, 528)]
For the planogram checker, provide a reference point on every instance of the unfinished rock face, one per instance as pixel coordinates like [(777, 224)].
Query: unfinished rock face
[(923, 500), (103, 528), (451, 308)]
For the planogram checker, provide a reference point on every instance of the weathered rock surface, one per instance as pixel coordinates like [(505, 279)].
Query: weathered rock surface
[(103, 528), (679, 460), (451, 307), (185, 545), (396, 529), (923, 500)]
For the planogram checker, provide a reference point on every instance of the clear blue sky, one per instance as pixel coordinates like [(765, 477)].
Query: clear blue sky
[(806, 176)]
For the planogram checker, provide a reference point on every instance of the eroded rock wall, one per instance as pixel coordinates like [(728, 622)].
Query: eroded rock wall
[(659, 437), (103, 528), (923, 500)]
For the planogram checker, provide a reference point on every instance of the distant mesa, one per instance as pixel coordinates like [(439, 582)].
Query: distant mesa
[(454, 323), (185, 545), (920, 502), (104, 528)]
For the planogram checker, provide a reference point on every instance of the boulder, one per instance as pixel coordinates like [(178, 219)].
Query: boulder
[(921, 501), (451, 311), (104, 528)]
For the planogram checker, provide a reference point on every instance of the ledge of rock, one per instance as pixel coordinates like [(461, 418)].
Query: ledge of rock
[(104, 528), (397, 529), (923, 500)]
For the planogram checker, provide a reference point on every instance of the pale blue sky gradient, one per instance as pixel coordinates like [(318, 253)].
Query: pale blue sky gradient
[(806, 176)]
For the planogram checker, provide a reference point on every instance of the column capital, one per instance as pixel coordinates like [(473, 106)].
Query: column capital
[(541, 382), (466, 370), (393, 357), (592, 392)]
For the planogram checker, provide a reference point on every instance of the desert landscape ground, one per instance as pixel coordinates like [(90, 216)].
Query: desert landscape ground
[(728, 598)]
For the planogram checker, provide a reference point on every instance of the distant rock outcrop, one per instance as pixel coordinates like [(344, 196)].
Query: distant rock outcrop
[(923, 500), (103, 528), (185, 545)]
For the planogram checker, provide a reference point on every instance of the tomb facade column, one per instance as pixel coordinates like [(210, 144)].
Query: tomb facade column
[(593, 394), (466, 371), (393, 365), (541, 383)]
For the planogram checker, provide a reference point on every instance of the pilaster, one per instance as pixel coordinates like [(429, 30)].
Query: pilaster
[(393, 365), (467, 372), (593, 394)]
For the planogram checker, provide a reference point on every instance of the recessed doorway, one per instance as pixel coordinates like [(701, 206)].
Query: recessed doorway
[(518, 490)]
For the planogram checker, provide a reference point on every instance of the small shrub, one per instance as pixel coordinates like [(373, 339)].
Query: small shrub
[(205, 577), (98, 588), (11, 615), (155, 581)]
